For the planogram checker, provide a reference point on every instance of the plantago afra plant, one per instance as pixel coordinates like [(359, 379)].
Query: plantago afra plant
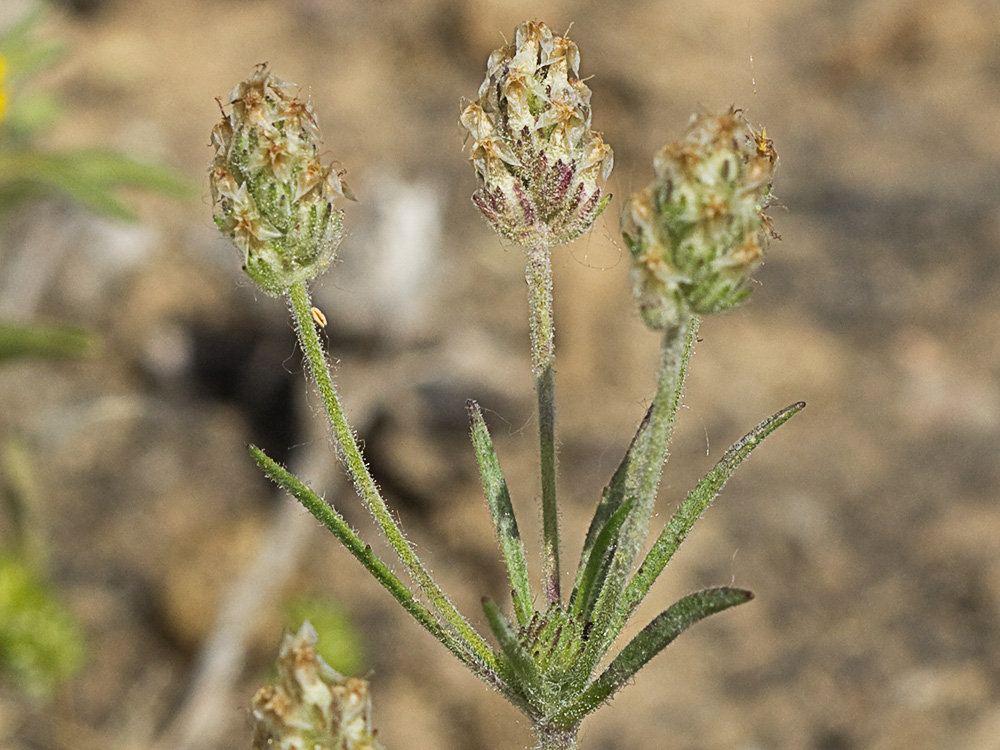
[(695, 234)]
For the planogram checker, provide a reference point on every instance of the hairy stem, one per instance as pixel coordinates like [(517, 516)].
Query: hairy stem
[(675, 353), (539, 278), (648, 455), (550, 738), (319, 368)]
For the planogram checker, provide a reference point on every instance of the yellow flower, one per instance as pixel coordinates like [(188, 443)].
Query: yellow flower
[(3, 92)]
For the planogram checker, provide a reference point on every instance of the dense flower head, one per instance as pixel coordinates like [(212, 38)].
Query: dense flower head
[(273, 197), (310, 704), (539, 164), (698, 230)]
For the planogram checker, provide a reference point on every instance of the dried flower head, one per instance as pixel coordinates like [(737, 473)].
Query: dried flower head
[(539, 164), (698, 230), (273, 197), (311, 705)]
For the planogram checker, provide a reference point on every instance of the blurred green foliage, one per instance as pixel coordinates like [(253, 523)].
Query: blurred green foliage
[(52, 341), (90, 176), (340, 642), (41, 643)]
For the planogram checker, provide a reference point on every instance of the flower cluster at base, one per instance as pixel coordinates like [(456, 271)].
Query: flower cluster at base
[(310, 705), (698, 231), (272, 195), (539, 164)]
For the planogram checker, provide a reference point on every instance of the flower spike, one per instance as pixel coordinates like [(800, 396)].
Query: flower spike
[(698, 230), (539, 164), (273, 197)]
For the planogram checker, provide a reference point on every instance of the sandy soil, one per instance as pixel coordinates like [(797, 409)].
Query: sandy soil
[(868, 527)]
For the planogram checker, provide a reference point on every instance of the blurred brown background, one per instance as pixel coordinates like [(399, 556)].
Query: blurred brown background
[(869, 526)]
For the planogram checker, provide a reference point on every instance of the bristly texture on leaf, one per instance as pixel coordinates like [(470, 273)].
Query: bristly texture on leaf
[(539, 164)]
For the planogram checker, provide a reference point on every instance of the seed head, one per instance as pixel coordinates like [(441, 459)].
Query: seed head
[(311, 705), (273, 197), (539, 164), (698, 230)]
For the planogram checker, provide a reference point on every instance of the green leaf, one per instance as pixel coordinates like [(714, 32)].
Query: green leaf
[(591, 582), (610, 502), (652, 639), (373, 564), (504, 522), (86, 176), (693, 506), (48, 341), (518, 658)]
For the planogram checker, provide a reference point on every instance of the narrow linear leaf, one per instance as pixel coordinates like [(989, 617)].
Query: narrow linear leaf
[(590, 584), (504, 522), (41, 340), (90, 177), (643, 468), (652, 639), (518, 658), (114, 169), (693, 506), (330, 518), (611, 500), (35, 174)]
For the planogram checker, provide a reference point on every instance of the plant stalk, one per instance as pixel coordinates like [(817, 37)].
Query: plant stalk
[(550, 738), (675, 353), (642, 481), (539, 278), (301, 308)]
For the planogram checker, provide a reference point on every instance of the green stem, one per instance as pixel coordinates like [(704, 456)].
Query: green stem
[(333, 521), (550, 738), (675, 353), (301, 308), (539, 278), (641, 483)]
